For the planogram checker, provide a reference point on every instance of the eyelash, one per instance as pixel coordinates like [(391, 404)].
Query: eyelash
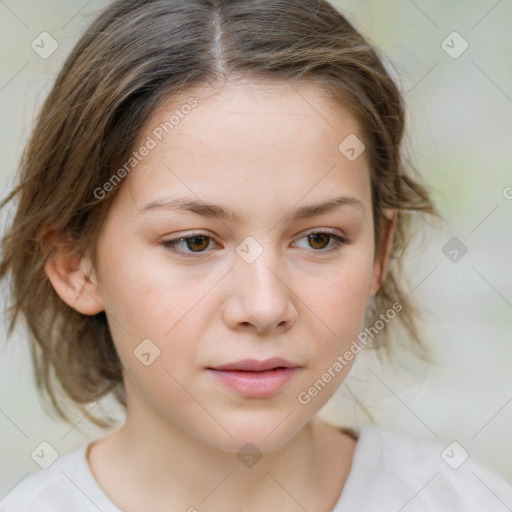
[(339, 241)]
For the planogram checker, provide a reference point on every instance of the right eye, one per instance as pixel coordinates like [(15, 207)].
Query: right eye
[(197, 244)]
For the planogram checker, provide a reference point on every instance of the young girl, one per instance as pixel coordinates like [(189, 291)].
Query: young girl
[(212, 212)]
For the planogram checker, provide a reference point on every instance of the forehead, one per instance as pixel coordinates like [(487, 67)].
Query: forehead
[(275, 140), (302, 108)]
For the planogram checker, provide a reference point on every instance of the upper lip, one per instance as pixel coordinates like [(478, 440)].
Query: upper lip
[(256, 366)]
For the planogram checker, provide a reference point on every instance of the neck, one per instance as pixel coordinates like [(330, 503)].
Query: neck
[(151, 460)]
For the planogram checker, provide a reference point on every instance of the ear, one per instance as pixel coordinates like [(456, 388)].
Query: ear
[(382, 262), (71, 275)]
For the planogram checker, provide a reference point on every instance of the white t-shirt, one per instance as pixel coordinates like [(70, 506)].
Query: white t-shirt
[(390, 473)]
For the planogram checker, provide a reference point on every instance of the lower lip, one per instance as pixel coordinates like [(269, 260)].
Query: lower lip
[(255, 384)]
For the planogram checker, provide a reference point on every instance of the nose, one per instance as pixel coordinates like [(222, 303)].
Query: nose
[(261, 300)]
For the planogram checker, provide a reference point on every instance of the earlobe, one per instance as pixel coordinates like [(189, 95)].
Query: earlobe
[(71, 275), (382, 263)]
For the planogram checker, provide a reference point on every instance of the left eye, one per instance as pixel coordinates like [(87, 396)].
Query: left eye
[(319, 238), (198, 244)]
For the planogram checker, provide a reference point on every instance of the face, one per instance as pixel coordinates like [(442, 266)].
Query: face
[(211, 254)]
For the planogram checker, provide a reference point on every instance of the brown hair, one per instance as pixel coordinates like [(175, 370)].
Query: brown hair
[(134, 56)]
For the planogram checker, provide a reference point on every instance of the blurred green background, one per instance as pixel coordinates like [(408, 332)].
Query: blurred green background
[(460, 127)]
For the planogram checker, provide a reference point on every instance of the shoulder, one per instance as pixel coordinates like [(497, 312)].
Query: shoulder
[(428, 475), (58, 487)]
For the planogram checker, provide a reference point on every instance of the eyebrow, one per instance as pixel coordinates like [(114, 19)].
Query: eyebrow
[(225, 213)]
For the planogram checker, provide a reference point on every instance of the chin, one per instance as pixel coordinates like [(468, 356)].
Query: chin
[(268, 432)]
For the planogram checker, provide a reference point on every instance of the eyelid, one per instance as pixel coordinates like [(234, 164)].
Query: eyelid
[(330, 231), (339, 240), (186, 236), (312, 231)]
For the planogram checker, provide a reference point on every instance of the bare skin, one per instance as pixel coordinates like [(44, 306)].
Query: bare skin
[(325, 459), (261, 150)]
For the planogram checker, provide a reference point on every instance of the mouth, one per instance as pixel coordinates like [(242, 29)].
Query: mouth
[(256, 379)]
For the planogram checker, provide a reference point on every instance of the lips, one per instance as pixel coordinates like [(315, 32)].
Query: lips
[(255, 379), (253, 365)]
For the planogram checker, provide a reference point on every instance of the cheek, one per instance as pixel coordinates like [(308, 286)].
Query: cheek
[(340, 304), (148, 299), (344, 294), (143, 286)]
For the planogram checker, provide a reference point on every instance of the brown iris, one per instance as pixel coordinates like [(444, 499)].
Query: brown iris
[(201, 240), (314, 238)]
